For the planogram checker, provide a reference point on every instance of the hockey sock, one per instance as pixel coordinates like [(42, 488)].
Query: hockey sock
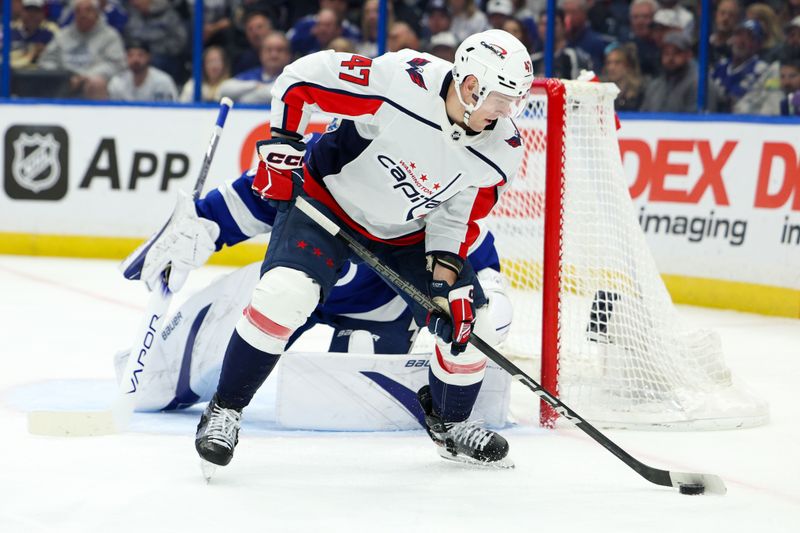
[(453, 403), (244, 370)]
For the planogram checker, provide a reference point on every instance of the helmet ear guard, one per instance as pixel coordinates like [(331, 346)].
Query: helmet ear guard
[(471, 106)]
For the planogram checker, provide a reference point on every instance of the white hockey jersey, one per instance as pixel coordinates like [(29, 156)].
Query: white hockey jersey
[(396, 169)]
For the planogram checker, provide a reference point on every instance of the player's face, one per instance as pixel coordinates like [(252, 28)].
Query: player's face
[(495, 106)]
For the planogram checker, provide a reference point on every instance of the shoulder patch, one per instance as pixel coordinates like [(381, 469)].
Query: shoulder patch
[(415, 72), (515, 141)]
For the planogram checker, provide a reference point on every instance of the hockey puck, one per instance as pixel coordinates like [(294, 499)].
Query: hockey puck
[(692, 488)]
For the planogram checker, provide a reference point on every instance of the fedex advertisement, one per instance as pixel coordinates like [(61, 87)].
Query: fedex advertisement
[(718, 200)]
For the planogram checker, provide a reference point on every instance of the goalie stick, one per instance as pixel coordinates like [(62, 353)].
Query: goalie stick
[(115, 420), (711, 483)]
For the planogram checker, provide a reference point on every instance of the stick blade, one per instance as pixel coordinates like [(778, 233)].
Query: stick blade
[(71, 423), (712, 483)]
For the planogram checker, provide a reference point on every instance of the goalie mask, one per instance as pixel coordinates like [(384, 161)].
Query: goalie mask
[(503, 69)]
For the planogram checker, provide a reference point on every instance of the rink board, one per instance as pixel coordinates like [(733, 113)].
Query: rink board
[(719, 201)]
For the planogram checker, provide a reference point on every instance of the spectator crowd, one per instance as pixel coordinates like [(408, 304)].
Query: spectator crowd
[(140, 50)]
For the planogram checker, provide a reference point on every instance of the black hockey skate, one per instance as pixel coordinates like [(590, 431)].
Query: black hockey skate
[(217, 433), (464, 442)]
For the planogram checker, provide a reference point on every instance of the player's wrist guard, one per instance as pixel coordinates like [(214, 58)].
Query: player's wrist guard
[(453, 324), (278, 178), (278, 133), (451, 262)]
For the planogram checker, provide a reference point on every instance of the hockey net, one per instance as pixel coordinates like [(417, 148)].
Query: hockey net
[(590, 308)]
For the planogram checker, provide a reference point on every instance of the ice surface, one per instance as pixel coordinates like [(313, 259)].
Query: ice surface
[(63, 319)]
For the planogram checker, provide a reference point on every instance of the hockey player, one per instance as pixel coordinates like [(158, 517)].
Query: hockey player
[(423, 151), (365, 314)]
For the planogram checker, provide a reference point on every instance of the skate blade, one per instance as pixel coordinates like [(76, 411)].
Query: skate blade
[(503, 464), (208, 469)]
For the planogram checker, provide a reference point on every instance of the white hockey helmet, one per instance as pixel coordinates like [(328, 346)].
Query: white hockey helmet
[(502, 66)]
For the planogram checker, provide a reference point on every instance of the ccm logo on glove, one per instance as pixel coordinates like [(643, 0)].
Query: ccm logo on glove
[(277, 179), (293, 161)]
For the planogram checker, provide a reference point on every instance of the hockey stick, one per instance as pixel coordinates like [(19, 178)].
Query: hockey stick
[(115, 420), (688, 483)]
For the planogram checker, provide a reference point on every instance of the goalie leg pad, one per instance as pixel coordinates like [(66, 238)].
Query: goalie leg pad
[(469, 367), (282, 302)]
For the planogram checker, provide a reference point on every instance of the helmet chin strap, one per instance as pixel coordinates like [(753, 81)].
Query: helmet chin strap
[(468, 108), (467, 114)]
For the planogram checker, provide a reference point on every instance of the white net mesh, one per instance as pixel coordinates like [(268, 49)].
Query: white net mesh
[(624, 358)]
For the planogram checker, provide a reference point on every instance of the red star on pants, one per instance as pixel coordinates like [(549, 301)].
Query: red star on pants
[(329, 262), (424, 177), (413, 165), (302, 244), (317, 252), (436, 185)]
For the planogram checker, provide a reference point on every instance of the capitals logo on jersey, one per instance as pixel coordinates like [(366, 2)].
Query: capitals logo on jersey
[(416, 71), (420, 189)]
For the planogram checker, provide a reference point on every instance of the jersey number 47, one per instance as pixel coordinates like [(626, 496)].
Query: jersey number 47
[(360, 66)]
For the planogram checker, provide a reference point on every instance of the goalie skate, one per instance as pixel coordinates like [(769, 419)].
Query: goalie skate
[(464, 442), (218, 433)]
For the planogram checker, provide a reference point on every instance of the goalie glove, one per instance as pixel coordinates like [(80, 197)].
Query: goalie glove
[(277, 179), (183, 244), (455, 301)]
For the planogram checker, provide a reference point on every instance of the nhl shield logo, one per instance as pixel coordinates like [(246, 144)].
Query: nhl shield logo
[(36, 162), (36, 166)]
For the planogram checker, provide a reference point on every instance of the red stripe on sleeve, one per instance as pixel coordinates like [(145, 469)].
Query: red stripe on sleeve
[(484, 202), (328, 100)]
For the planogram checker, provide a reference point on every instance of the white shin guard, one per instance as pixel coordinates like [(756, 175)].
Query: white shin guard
[(282, 302), (468, 367)]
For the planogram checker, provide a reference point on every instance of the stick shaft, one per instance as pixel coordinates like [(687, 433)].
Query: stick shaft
[(225, 105), (654, 475)]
